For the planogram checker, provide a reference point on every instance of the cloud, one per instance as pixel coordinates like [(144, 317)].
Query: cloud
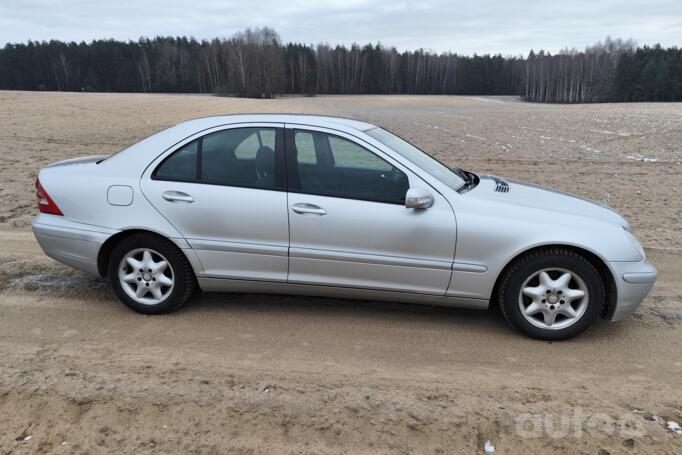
[(484, 26)]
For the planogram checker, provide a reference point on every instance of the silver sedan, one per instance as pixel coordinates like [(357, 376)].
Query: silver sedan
[(334, 207)]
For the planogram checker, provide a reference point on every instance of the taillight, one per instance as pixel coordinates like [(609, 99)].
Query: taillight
[(45, 202)]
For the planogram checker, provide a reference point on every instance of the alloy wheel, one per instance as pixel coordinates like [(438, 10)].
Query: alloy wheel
[(553, 299), (146, 276)]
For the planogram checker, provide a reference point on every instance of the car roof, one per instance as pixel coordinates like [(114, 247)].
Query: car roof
[(304, 119), (140, 154)]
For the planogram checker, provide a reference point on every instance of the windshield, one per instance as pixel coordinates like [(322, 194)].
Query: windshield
[(426, 162)]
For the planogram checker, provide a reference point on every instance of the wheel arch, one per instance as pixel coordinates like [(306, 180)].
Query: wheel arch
[(108, 246), (611, 292)]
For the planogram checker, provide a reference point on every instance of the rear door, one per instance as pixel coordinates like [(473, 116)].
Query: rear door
[(226, 193), (348, 223)]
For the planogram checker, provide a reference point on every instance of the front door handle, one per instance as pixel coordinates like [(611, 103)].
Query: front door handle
[(177, 196), (308, 209)]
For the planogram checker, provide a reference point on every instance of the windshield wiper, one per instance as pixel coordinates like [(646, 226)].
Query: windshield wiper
[(470, 179), (464, 175)]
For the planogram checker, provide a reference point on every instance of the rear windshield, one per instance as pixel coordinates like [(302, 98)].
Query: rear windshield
[(128, 146)]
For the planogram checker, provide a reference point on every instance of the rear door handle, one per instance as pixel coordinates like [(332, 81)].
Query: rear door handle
[(308, 209), (177, 196)]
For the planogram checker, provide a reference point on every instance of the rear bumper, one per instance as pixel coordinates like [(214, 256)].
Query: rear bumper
[(634, 280), (74, 244)]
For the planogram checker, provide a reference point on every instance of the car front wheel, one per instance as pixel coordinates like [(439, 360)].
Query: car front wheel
[(551, 294), (150, 274)]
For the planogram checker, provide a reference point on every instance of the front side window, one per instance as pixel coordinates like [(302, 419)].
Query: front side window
[(425, 161), (350, 155), (244, 157), (305, 148), (330, 165)]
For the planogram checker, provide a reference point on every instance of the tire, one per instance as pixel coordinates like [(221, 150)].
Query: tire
[(541, 306), (150, 287)]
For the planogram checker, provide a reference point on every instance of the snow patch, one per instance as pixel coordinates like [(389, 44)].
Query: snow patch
[(674, 427), (644, 159)]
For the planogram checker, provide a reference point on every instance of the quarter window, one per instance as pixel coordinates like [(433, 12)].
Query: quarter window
[(330, 165), (181, 165)]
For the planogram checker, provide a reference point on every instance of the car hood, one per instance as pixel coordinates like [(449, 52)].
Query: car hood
[(524, 194)]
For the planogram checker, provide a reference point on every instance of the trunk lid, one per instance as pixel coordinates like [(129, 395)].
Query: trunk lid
[(78, 161)]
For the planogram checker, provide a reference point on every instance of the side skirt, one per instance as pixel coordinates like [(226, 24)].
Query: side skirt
[(270, 287)]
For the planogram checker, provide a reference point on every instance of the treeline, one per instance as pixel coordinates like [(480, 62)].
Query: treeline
[(255, 63), (611, 71)]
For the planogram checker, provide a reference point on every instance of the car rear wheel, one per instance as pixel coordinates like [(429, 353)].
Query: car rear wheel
[(150, 274), (551, 294)]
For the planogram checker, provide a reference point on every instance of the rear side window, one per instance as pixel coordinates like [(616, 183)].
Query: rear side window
[(243, 157), (248, 149)]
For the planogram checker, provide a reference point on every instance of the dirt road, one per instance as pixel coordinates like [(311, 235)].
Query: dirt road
[(261, 374)]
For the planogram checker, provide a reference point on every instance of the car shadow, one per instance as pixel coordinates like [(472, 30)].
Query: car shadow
[(306, 308), (418, 316), (367, 310)]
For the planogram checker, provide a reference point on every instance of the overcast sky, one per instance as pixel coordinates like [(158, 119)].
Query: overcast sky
[(483, 26)]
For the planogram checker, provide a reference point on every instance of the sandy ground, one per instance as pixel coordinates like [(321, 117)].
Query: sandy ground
[(79, 373)]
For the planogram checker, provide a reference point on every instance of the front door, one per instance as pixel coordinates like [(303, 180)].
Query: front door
[(348, 222), (226, 193)]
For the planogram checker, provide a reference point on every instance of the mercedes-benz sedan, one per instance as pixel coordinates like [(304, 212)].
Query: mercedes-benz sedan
[(334, 207)]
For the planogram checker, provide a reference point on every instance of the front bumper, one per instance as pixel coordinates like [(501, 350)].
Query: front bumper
[(633, 280), (74, 244)]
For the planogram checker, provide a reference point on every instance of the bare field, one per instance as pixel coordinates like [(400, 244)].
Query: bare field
[(262, 374)]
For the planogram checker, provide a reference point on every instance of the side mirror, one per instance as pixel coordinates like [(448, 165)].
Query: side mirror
[(418, 198)]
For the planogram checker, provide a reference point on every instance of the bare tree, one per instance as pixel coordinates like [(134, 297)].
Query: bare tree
[(65, 69)]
